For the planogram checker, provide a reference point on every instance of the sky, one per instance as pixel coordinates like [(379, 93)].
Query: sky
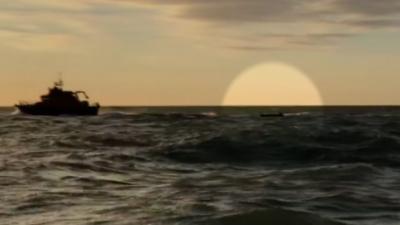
[(197, 52)]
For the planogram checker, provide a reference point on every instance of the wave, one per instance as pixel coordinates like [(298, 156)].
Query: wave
[(345, 172), (260, 146), (342, 166), (297, 114), (16, 112), (111, 140), (175, 115), (275, 217), (158, 116), (102, 140), (117, 113)]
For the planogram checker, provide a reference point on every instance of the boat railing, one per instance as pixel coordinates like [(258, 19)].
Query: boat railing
[(25, 102), (77, 93)]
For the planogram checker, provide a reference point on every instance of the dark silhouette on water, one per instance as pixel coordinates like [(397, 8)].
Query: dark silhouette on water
[(278, 114), (60, 102)]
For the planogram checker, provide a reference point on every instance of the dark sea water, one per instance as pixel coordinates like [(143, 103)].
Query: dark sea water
[(202, 166)]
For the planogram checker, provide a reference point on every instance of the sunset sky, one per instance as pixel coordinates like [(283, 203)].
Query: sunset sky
[(193, 52)]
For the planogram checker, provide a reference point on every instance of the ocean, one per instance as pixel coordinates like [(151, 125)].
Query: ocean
[(202, 165)]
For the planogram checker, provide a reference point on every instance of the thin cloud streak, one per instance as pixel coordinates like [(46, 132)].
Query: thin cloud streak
[(318, 21), (56, 26)]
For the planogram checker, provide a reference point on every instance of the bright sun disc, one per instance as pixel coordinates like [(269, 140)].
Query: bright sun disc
[(272, 84)]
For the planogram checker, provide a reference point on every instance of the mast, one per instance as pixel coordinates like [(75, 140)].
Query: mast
[(60, 82)]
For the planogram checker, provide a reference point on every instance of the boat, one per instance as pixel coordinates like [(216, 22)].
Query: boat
[(60, 102), (277, 114)]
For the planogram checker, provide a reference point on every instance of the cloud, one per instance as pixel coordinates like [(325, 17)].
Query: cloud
[(307, 22), (239, 11), (377, 23), (369, 7), (40, 42), (48, 25), (239, 24), (40, 25)]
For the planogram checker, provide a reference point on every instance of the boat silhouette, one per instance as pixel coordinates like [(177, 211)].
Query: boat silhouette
[(60, 102), (277, 114)]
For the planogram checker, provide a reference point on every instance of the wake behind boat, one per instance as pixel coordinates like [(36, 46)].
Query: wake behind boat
[(60, 102)]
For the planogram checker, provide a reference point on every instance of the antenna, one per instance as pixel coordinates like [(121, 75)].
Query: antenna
[(60, 82)]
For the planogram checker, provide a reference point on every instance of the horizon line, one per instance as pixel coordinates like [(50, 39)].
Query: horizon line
[(234, 106)]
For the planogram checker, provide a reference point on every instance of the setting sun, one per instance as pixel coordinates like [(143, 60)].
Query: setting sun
[(272, 84)]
